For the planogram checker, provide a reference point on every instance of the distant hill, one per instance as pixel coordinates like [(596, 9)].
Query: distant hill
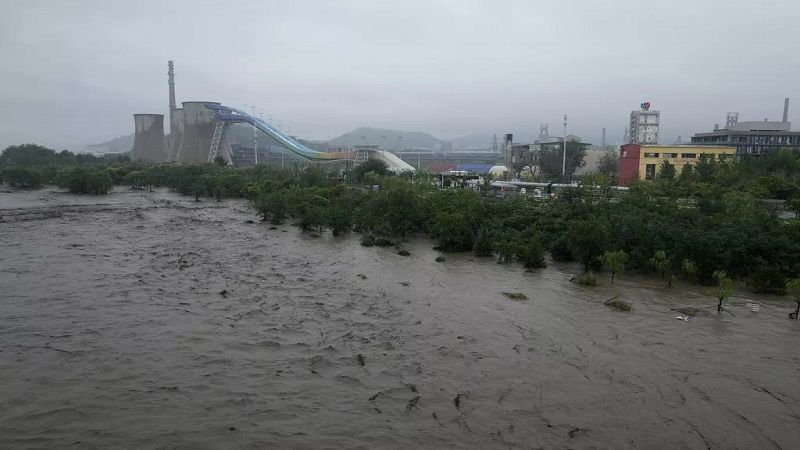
[(386, 138), (474, 142), (116, 145)]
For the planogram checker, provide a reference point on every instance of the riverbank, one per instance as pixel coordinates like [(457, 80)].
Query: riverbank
[(148, 319)]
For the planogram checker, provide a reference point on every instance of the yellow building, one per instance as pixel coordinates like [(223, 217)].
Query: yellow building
[(643, 162)]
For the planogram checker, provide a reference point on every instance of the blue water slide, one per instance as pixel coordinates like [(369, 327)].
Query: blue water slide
[(232, 115)]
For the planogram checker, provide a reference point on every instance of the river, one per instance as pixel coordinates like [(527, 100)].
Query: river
[(149, 320)]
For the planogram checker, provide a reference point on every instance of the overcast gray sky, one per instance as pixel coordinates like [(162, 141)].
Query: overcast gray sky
[(73, 72)]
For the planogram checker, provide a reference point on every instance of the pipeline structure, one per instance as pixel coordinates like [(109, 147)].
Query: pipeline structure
[(198, 135)]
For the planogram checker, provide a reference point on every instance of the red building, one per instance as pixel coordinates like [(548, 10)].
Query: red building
[(629, 158)]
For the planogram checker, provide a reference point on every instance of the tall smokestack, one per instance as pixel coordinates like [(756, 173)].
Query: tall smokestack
[(171, 75), (786, 110), (604, 138)]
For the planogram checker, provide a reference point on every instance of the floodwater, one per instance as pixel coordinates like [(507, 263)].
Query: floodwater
[(150, 320)]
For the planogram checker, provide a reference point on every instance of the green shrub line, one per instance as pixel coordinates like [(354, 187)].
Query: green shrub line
[(710, 218)]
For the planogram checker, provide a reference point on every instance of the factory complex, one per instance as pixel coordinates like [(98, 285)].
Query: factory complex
[(198, 134)]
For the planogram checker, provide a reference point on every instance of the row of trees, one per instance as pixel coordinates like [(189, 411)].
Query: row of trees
[(705, 220)]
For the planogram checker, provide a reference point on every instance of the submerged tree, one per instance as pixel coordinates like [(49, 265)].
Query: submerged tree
[(614, 262), (483, 242), (587, 240), (793, 288), (723, 289)]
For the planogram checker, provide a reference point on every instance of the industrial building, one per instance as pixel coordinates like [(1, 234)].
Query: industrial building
[(149, 142), (644, 125), (643, 162), (753, 137)]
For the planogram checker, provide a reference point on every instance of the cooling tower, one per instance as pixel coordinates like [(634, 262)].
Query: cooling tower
[(175, 133), (198, 130), (149, 143)]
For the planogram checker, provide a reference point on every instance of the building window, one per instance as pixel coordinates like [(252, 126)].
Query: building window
[(649, 171), (688, 155), (651, 155), (670, 155)]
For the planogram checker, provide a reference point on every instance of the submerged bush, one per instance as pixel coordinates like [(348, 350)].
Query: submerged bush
[(22, 177), (588, 279), (84, 180), (618, 304)]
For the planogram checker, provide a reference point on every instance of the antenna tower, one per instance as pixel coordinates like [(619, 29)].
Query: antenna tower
[(543, 131), (493, 147), (731, 120)]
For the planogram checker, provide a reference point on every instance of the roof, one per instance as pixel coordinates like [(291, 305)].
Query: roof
[(762, 126)]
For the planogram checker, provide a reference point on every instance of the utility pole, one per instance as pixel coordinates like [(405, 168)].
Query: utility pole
[(564, 160), (283, 151), (255, 137)]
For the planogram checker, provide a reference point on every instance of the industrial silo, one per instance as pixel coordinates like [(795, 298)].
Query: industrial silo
[(175, 133), (149, 143), (198, 131)]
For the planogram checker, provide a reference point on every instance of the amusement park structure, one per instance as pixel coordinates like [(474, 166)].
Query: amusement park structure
[(198, 134)]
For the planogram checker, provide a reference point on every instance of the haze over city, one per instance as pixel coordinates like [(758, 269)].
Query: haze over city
[(74, 73)]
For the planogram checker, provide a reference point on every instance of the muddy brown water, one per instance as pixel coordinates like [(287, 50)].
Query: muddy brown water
[(149, 320)]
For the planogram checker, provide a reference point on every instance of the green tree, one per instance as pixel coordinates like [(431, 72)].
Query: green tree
[(23, 177), (687, 173), (689, 268), (666, 171), (587, 240), (551, 158), (615, 262), (609, 163), (793, 288), (531, 253), (272, 206), (723, 289), (375, 166), (483, 242), (137, 179), (84, 180)]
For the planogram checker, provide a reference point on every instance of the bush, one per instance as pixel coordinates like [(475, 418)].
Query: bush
[(22, 177), (84, 180), (137, 179), (384, 242), (560, 250), (483, 243), (618, 304), (768, 280), (367, 240), (272, 207), (531, 254), (588, 279)]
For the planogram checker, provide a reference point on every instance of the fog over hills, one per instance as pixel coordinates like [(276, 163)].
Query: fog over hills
[(387, 138)]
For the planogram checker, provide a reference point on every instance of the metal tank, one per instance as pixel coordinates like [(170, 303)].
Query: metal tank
[(149, 143), (198, 131), (175, 133)]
